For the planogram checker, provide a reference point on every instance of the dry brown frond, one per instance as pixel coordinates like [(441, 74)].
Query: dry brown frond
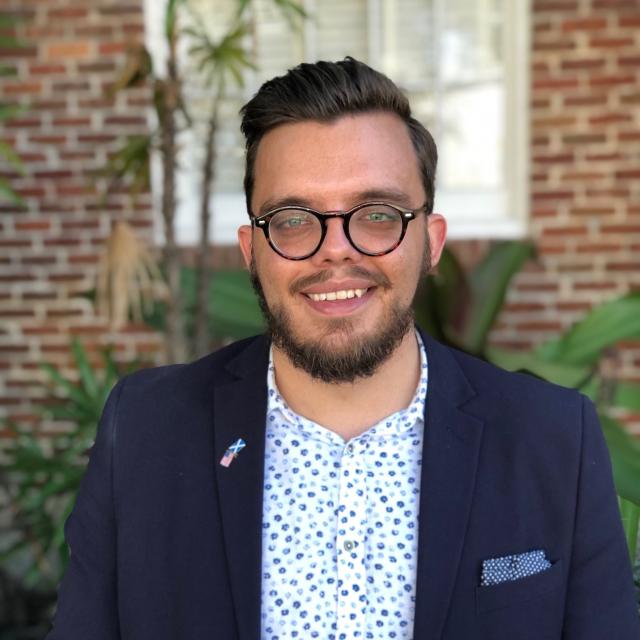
[(129, 279)]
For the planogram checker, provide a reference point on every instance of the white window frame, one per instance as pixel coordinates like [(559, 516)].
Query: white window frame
[(477, 221)]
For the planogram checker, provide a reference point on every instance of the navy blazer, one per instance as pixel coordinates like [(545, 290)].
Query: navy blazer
[(166, 542)]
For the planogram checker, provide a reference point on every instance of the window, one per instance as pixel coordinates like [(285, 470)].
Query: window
[(463, 64)]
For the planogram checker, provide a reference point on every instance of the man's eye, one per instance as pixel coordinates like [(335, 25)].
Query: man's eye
[(379, 216), (291, 223)]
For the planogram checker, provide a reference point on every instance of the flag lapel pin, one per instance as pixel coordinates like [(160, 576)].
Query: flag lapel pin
[(232, 452)]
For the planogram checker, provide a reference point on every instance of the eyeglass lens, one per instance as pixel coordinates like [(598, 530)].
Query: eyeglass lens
[(373, 229)]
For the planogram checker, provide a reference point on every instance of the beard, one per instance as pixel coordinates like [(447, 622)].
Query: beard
[(351, 356)]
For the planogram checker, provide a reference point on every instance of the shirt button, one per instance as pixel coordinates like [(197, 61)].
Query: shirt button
[(348, 545)]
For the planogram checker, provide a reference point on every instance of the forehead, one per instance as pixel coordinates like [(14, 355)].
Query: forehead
[(331, 164)]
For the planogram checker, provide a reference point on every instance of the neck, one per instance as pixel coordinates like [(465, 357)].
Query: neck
[(350, 408)]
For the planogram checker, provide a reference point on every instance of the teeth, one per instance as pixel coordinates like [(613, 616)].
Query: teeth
[(343, 294)]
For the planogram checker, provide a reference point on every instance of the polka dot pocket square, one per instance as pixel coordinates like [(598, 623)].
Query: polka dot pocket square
[(507, 568)]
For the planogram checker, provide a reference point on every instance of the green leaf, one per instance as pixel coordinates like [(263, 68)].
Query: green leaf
[(603, 326), (87, 375), (441, 300), (625, 458), (627, 396), (630, 513), (11, 156), (8, 194), (566, 375), (489, 282)]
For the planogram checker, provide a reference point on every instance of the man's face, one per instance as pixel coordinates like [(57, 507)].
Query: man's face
[(332, 167)]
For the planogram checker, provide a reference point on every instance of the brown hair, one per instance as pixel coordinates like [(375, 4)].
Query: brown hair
[(323, 92)]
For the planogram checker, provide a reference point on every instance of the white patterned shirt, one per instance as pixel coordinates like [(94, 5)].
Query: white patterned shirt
[(340, 524)]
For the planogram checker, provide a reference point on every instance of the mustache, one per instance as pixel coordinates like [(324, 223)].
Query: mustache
[(303, 282)]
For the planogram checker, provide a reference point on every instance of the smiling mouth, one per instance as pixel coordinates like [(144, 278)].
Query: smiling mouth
[(342, 294)]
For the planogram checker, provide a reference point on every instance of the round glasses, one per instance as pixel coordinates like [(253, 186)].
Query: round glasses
[(372, 228)]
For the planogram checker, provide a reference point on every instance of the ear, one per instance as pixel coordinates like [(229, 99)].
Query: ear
[(437, 230), (245, 240)]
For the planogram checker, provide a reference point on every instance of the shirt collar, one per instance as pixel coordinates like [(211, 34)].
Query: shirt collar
[(394, 424)]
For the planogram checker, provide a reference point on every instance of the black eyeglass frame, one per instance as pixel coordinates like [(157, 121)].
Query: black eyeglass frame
[(406, 216)]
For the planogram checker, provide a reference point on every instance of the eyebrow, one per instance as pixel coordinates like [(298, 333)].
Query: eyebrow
[(390, 195)]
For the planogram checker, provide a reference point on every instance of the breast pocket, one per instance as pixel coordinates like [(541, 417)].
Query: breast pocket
[(506, 594)]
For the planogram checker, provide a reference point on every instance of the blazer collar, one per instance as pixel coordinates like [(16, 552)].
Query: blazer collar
[(451, 449), (450, 457)]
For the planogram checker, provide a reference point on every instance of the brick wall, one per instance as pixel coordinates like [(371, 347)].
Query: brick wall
[(50, 248), (585, 169), (585, 177)]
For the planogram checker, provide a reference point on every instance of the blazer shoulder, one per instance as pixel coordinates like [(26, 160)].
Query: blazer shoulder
[(215, 368)]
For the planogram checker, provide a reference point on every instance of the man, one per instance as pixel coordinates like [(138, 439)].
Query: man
[(348, 477)]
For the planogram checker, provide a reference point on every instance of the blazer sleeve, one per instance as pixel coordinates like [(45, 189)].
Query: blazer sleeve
[(87, 598), (600, 598)]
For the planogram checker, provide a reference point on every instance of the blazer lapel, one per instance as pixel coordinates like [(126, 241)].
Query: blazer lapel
[(240, 412), (451, 447)]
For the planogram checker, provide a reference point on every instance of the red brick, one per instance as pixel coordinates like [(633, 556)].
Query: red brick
[(598, 247), (592, 211), (629, 136), (548, 325), (18, 52), (554, 122), (33, 225), (109, 48), (96, 138), (68, 12), (611, 43), (629, 61), (573, 306), (604, 157), (552, 195), (70, 86), (582, 176), (607, 193), (38, 260), (556, 232), (23, 123), (61, 242), (594, 286), (558, 83), (56, 175), (546, 6), (537, 287), (584, 138), (47, 105), (126, 120), (610, 118), (120, 10), (55, 140), (84, 259), (39, 295), (632, 174), (623, 266), (97, 67), (585, 100), (555, 158), (612, 80), (77, 155), (553, 45), (620, 228), (95, 31), (584, 24), (582, 63), (47, 69), (22, 88), (630, 20), (72, 50), (72, 121)]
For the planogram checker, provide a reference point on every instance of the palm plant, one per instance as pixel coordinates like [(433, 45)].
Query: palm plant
[(219, 64), (41, 479)]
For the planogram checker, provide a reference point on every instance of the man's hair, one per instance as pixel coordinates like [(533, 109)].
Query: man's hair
[(323, 92)]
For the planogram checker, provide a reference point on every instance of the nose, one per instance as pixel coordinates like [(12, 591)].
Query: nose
[(336, 246)]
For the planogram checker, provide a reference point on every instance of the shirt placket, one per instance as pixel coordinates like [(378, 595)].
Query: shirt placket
[(350, 545)]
